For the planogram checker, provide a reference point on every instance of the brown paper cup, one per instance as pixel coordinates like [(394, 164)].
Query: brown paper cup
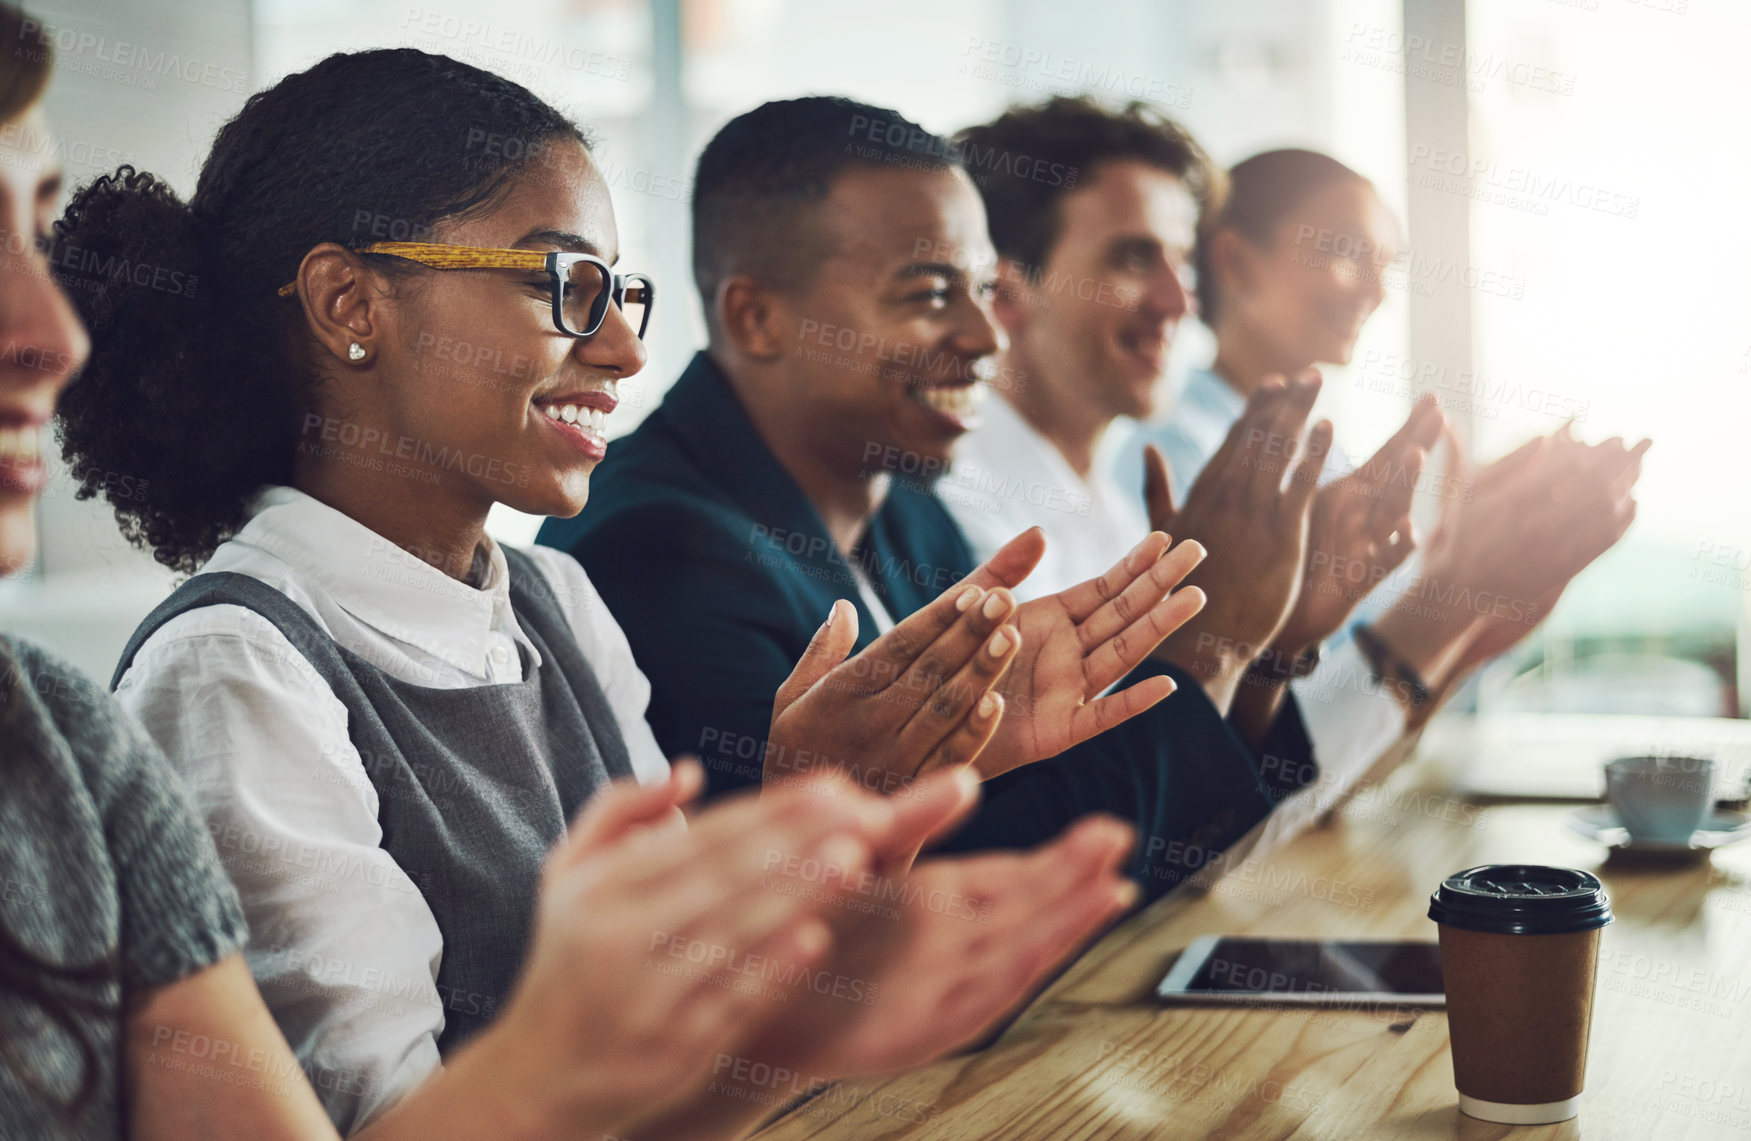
[(1519, 956), (1519, 1008)]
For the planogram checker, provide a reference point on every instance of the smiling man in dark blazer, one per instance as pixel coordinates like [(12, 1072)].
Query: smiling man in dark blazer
[(843, 260)]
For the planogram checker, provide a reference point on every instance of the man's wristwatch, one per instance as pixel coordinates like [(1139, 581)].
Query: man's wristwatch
[(1391, 669)]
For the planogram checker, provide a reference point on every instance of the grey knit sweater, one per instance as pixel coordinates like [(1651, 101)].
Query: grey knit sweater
[(100, 855)]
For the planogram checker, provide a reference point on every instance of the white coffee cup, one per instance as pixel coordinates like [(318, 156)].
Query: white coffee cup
[(1661, 800)]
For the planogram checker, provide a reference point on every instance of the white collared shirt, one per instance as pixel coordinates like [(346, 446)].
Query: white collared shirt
[(866, 590), (1206, 409), (341, 943), (1008, 477)]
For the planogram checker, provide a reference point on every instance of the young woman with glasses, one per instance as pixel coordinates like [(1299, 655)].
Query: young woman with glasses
[(388, 795)]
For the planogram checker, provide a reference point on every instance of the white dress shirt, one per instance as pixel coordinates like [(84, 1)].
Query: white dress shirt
[(1206, 409), (341, 943), (1006, 477), (1003, 481), (866, 590)]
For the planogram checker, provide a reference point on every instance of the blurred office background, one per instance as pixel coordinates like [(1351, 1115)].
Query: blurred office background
[(1570, 172)]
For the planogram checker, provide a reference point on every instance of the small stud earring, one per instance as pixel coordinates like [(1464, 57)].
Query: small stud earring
[(355, 352)]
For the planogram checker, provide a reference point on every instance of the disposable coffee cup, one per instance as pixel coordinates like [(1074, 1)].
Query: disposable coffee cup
[(1661, 800), (1519, 953)]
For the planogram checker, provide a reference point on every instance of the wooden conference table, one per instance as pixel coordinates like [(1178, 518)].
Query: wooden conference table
[(1096, 1058)]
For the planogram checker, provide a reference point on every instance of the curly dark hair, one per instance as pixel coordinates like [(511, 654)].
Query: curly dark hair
[(760, 175), (1028, 159), (190, 401), (1262, 191)]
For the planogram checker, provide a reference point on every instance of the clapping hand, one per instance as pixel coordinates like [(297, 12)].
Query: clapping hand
[(1558, 504), (966, 942), (824, 960), (624, 1001), (1506, 551), (918, 698), (1359, 532), (1249, 507), (1078, 642)]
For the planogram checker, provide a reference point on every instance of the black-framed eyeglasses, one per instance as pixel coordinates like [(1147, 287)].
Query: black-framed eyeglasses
[(582, 285)]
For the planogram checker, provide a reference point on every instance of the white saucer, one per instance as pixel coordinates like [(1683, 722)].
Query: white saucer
[(1599, 822)]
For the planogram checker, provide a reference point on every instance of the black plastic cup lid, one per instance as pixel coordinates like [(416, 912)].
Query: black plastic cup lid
[(1521, 899)]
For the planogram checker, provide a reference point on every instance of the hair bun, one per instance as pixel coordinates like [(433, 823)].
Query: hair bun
[(126, 249), (128, 256)]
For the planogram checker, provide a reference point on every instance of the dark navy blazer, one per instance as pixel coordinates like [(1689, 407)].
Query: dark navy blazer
[(720, 570)]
